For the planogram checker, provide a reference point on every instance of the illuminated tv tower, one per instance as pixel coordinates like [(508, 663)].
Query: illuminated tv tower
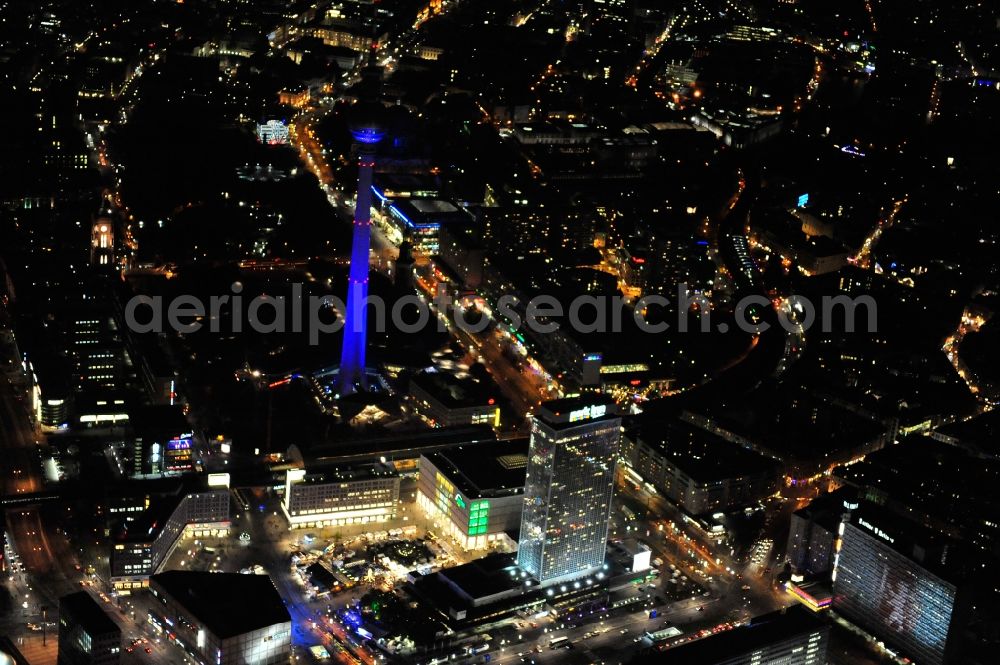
[(366, 128)]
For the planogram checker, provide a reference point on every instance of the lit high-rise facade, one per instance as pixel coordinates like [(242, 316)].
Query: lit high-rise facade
[(568, 490), (884, 582)]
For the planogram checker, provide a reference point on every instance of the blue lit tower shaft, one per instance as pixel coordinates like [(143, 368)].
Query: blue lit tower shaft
[(352, 356)]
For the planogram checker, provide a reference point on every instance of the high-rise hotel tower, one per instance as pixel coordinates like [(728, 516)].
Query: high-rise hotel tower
[(569, 486)]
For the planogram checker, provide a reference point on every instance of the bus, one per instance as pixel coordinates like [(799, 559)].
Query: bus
[(557, 642)]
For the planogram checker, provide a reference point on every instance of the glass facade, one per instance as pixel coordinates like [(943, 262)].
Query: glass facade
[(892, 595), (479, 517), (567, 495), (444, 491)]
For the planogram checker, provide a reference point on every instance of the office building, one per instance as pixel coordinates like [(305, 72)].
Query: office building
[(223, 618), (141, 541), (95, 348), (350, 494), (476, 491), (462, 253), (568, 489), (792, 636), (448, 401), (701, 471), (87, 636), (900, 581), (814, 533), (388, 187), (938, 483), (420, 221), (162, 441)]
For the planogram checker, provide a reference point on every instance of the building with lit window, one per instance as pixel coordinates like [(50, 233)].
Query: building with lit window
[(389, 187), (162, 443), (102, 243), (353, 35), (141, 541), (355, 494), (87, 636), (901, 582), (448, 401), (814, 532), (95, 348), (699, 470), (792, 636), (475, 491), (568, 489), (222, 618), (419, 221)]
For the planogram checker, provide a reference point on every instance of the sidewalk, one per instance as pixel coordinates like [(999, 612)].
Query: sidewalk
[(31, 647)]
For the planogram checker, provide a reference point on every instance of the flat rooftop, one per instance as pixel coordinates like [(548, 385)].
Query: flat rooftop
[(88, 613), (349, 472), (704, 456), (951, 560), (145, 526), (228, 604), (760, 632), (940, 482), (158, 421), (979, 434), (488, 576), (575, 411), (453, 392), (401, 445), (429, 211), (486, 469), (405, 184)]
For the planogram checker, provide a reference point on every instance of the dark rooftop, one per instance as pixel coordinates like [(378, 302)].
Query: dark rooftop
[(704, 456), (397, 444), (762, 631), (485, 469), (978, 435), (939, 482), (573, 411), (453, 392), (483, 577), (87, 613), (348, 472), (951, 560), (158, 420), (229, 604)]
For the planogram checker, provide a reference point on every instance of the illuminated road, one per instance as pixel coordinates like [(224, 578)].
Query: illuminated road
[(863, 257), (39, 582), (20, 472)]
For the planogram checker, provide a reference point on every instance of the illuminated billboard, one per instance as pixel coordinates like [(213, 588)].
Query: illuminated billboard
[(273, 132), (178, 455), (218, 480)]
